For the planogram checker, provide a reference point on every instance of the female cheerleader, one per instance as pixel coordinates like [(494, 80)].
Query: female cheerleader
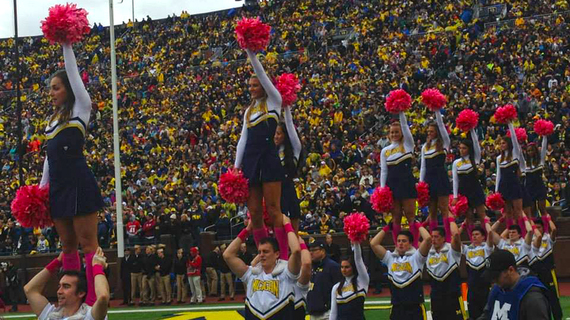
[(433, 172), (289, 146), (534, 170), (507, 182), (396, 165), (258, 157), (73, 191), (466, 178), (347, 297)]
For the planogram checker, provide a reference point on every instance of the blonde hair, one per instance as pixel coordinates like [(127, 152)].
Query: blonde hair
[(263, 103)]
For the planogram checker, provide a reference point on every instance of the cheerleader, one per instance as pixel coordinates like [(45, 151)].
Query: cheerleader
[(509, 165), (347, 297), (396, 173), (289, 146), (534, 171), (466, 177), (433, 172), (74, 194), (257, 154)]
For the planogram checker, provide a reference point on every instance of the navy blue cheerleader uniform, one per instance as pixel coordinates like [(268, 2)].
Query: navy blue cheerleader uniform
[(432, 169), (256, 152), (289, 200), (533, 181), (396, 165), (507, 181), (475, 259), (73, 189), (466, 178), (349, 304)]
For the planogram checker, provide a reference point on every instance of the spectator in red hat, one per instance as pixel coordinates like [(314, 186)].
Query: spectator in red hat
[(193, 267)]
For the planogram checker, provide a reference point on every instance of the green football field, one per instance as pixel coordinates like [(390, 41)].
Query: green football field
[(375, 309)]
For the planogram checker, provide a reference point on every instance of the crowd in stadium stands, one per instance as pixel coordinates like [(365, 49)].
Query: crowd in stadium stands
[(182, 93)]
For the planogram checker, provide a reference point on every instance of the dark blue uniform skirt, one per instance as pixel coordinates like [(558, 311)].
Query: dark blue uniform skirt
[(261, 161), (535, 186), (527, 200), (510, 185), (289, 201), (436, 177), (401, 180), (73, 189), (470, 187)]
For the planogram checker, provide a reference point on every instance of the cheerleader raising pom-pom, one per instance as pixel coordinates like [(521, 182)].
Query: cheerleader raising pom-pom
[(495, 201), (506, 114), (521, 135), (31, 207), (66, 24), (423, 194), (461, 206), (543, 127), (381, 199), (253, 34), (288, 86), (467, 120), (356, 227), (398, 101), (233, 186), (433, 99)]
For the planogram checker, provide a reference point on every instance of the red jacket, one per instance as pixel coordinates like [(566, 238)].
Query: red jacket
[(133, 227), (193, 266)]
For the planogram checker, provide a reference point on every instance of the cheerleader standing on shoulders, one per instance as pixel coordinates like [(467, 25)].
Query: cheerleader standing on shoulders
[(433, 172), (347, 297), (534, 171), (466, 177), (73, 191), (258, 157), (289, 147), (396, 173), (509, 164)]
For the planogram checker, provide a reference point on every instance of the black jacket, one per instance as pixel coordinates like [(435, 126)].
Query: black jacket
[(324, 276), (137, 264), (180, 265), (333, 251), (150, 263), (165, 265), (126, 266), (211, 260)]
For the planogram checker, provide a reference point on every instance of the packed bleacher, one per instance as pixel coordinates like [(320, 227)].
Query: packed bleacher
[(182, 93)]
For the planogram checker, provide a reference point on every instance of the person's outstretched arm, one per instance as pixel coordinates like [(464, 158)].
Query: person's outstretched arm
[(363, 277), (306, 264), (498, 177), (236, 265), (34, 288), (82, 106), (408, 138), (543, 149), (376, 245), (476, 147), (45, 174), (455, 235), (425, 246), (293, 137), (455, 178), (273, 94), (241, 143), (294, 264), (383, 169), (99, 310), (442, 130), (517, 153), (422, 164)]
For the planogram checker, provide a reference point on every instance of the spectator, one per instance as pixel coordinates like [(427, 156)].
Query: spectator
[(332, 249), (326, 273), (164, 267), (194, 267), (225, 276), (133, 230), (212, 265), (137, 268), (126, 265), (149, 278), (179, 266)]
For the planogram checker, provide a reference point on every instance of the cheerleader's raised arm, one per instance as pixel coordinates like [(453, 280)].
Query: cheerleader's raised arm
[(293, 137), (442, 130), (241, 143), (476, 147), (543, 150), (82, 105), (455, 178), (517, 153), (408, 138), (363, 277)]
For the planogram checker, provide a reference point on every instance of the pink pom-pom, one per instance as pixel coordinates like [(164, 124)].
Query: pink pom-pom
[(461, 206), (66, 24), (433, 99), (253, 34), (543, 127), (506, 113), (398, 101), (31, 207), (521, 135), (288, 86), (467, 120), (495, 201), (423, 193), (356, 227), (233, 186), (381, 199)]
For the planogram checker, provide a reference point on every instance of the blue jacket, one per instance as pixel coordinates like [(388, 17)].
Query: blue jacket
[(324, 276)]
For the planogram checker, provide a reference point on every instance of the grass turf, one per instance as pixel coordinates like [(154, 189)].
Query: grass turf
[(378, 311)]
